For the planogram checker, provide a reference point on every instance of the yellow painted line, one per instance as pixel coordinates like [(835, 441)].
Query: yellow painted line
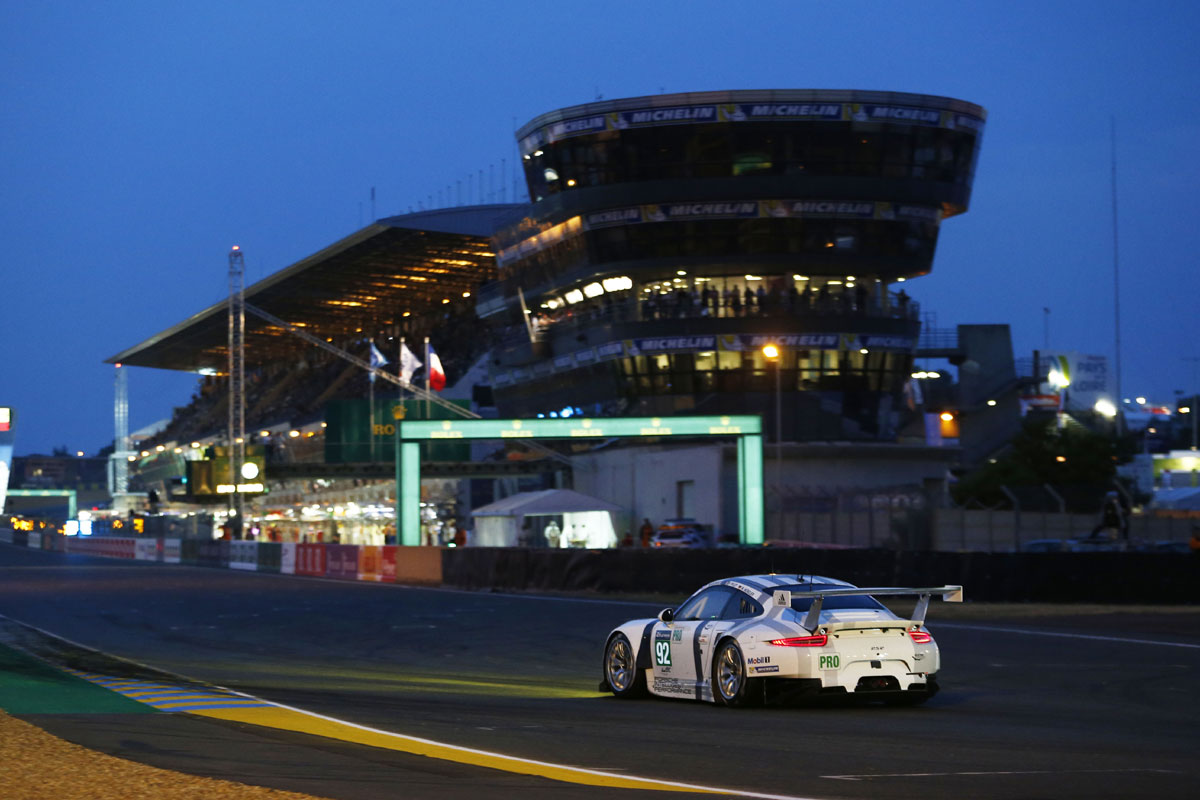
[(291, 719)]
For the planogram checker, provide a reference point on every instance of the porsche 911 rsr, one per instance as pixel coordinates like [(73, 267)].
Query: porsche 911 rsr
[(743, 640)]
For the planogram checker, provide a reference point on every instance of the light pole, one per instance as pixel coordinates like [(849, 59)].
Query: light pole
[(1193, 403), (772, 353), (398, 416)]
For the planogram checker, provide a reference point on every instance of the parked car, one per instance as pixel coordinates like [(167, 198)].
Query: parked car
[(680, 533)]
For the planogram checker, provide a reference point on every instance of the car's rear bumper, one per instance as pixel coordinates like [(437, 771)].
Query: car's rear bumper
[(784, 690)]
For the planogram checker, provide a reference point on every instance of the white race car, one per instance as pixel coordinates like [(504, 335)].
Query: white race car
[(741, 641)]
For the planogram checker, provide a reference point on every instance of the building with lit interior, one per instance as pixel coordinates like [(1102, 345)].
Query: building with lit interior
[(671, 237)]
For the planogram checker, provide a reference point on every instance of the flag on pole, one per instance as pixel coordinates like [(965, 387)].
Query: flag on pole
[(377, 360), (408, 364), (437, 377)]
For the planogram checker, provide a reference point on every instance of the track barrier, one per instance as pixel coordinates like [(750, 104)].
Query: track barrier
[(1105, 577)]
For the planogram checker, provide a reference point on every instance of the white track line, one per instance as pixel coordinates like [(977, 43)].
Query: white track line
[(997, 772), (1061, 635)]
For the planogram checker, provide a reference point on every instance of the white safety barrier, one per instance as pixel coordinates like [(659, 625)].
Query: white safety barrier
[(287, 561)]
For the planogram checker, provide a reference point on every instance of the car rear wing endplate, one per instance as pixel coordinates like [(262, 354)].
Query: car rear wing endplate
[(950, 594)]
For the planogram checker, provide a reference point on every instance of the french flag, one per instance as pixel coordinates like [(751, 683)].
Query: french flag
[(437, 376)]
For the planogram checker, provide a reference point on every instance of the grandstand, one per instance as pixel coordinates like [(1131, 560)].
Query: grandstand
[(668, 239)]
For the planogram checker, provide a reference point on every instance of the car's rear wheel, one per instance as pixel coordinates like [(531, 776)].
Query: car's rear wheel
[(730, 684), (620, 668)]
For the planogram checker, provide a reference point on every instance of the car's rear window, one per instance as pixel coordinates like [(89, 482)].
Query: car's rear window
[(854, 601)]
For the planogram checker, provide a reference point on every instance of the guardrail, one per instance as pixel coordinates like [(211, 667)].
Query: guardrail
[(1116, 577), (377, 563)]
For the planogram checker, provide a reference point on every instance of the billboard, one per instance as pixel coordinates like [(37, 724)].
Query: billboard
[(1078, 380), (213, 476)]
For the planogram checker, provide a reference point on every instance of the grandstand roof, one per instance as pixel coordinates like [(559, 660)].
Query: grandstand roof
[(363, 282)]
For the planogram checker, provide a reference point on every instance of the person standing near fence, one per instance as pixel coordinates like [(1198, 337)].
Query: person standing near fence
[(646, 532)]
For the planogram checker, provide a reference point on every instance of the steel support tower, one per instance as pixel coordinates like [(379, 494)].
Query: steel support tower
[(119, 474), (236, 438)]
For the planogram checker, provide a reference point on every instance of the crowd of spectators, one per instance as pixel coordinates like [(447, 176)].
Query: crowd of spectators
[(689, 302)]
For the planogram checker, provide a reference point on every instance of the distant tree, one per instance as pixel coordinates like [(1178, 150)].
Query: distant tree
[(1081, 464)]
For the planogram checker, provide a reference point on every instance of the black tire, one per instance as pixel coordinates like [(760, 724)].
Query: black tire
[(621, 672), (730, 684)]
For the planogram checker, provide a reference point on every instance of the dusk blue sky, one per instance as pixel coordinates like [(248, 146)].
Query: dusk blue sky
[(140, 140)]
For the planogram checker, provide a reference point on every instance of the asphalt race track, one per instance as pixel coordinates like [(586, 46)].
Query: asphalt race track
[(1029, 709)]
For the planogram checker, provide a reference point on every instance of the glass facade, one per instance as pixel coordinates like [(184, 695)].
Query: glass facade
[(817, 149), (800, 370), (827, 246)]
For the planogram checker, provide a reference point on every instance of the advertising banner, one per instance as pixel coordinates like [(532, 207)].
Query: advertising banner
[(212, 553), (746, 112), (106, 547), (1080, 380), (172, 552), (370, 563), (146, 550), (243, 555), (34, 542), (310, 559), (389, 563), (287, 559), (342, 561)]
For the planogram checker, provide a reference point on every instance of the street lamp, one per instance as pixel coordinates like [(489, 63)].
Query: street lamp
[(1190, 410), (772, 353)]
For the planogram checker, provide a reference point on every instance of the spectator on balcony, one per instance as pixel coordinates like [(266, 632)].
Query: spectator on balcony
[(823, 299), (683, 303), (650, 307)]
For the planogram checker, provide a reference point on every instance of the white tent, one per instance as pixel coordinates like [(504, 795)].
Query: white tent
[(587, 521)]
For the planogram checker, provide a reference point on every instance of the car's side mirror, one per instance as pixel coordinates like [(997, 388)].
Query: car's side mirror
[(667, 614)]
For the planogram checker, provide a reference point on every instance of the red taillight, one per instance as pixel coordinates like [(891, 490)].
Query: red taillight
[(802, 641), (920, 637)]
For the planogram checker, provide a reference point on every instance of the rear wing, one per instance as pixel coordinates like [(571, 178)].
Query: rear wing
[(950, 594)]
